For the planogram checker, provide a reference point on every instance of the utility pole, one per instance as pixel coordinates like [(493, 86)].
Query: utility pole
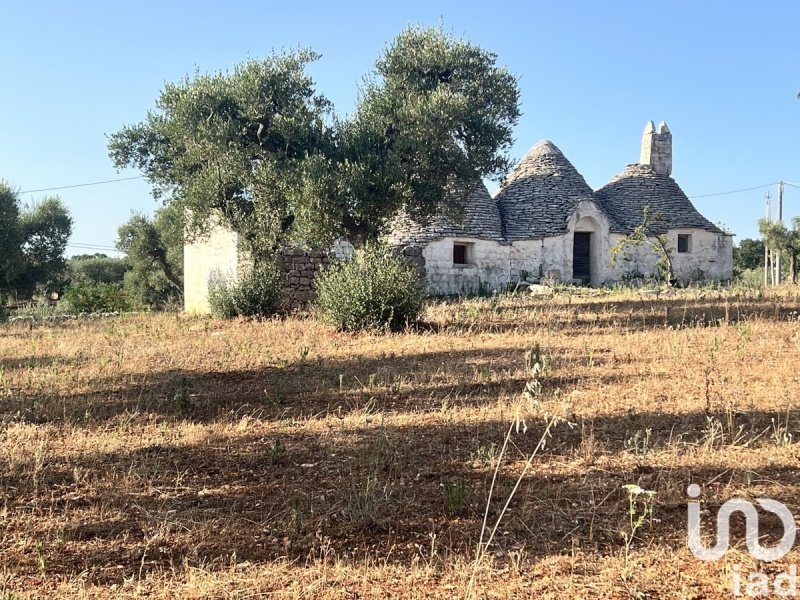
[(780, 220), (766, 249)]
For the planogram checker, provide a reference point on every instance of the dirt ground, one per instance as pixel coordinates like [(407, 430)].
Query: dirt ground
[(167, 456)]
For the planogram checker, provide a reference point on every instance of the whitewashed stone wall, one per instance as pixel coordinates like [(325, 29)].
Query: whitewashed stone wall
[(215, 256), (495, 266), (488, 268), (710, 257), (219, 256)]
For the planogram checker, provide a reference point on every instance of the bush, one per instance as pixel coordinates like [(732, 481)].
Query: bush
[(101, 297), (751, 279), (376, 288), (257, 294), (220, 298)]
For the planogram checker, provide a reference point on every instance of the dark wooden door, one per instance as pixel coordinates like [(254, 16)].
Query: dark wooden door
[(580, 257)]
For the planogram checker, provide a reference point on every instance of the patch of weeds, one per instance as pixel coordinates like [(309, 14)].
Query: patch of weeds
[(780, 432), (640, 508), (182, 399), (713, 434), (41, 558), (383, 455), (639, 442), (589, 447), (535, 368), (296, 515), (367, 506), (485, 455), (277, 392), (277, 452), (304, 352), (455, 496), (483, 372)]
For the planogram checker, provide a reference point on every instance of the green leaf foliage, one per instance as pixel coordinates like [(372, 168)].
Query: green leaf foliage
[(259, 149), (748, 254), (659, 243), (96, 268), (10, 239), (100, 297), (436, 113), (154, 255), (238, 144), (780, 238), (376, 288), (33, 243), (258, 293)]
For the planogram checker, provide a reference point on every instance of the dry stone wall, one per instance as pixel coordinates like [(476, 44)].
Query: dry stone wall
[(301, 269)]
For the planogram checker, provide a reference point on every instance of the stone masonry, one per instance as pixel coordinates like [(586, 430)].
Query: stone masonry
[(528, 229), (301, 270)]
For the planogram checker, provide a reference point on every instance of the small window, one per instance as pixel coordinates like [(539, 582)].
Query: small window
[(459, 254), (462, 253), (684, 242)]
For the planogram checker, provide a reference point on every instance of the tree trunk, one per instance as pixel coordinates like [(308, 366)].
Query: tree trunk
[(671, 279)]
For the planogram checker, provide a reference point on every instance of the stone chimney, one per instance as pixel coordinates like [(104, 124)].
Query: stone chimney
[(657, 148)]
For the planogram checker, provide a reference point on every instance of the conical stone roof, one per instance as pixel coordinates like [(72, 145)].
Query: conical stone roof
[(541, 193), (481, 220), (625, 197)]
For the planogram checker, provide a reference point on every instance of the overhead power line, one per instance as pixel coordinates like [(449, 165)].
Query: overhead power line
[(91, 183), (77, 185), (91, 246), (750, 189)]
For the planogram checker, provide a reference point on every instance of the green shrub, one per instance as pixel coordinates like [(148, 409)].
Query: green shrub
[(376, 288), (259, 293), (101, 297), (751, 279), (220, 298), (256, 294)]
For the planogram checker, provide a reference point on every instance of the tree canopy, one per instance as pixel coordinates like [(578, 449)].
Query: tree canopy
[(780, 238), (154, 249), (45, 227), (259, 148), (33, 243), (748, 254), (436, 113), (10, 239), (92, 269)]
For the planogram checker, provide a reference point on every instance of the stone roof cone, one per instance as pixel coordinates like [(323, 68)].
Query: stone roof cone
[(481, 220), (648, 184), (625, 197), (538, 197)]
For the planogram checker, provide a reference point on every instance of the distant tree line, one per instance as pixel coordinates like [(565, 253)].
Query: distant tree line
[(33, 243), (34, 266)]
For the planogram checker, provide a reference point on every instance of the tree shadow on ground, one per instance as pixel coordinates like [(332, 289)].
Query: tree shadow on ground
[(418, 382), (36, 362), (382, 490), (627, 315)]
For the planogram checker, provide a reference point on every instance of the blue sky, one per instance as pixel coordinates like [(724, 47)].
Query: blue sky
[(723, 75)]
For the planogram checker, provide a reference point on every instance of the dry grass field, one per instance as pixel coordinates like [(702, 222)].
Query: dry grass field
[(169, 456)]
